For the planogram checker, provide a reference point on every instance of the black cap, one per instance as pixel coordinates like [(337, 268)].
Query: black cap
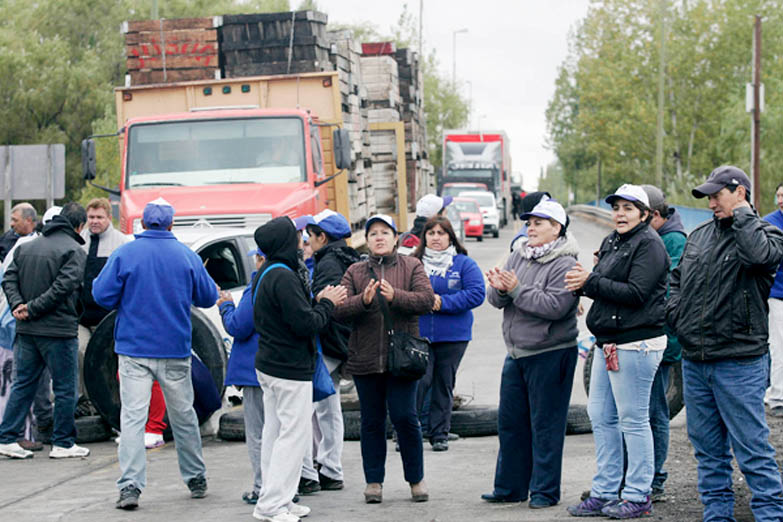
[(721, 177)]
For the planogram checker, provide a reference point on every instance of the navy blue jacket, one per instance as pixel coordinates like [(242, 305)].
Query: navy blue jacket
[(238, 322), (460, 291), (152, 282), (776, 218)]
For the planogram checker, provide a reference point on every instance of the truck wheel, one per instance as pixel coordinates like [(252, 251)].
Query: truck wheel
[(674, 396), (100, 363), (232, 425)]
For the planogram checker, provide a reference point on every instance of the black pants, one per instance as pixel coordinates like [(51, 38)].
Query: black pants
[(439, 381), (534, 396)]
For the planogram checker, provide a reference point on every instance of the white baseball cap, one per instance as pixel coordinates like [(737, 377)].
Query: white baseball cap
[(547, 209), (431, 204), (629, 192)]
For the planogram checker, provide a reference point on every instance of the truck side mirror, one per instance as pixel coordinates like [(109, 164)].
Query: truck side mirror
[(88, 160), (342, 149)]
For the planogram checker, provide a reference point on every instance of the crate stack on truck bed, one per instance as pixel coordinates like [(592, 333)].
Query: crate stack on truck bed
[(346, 57), (167, 51), (420, 173)]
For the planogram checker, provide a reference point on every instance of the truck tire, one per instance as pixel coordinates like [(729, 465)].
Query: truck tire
[(100, 363), (92, 428), (674, 393), (232, 425), (578, 422)]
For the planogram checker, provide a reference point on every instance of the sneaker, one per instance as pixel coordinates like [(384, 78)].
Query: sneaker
[(440, 445), (286, 516), (58, 452), (299, 511), (30, 445), (658, 495), (250, 497), (15, 451), (590, 507), (197, 487), (539, 502), (776, 411), (153, 440), (129, 498), (628, 509), (329, 484), (308, 487), (452, 437)]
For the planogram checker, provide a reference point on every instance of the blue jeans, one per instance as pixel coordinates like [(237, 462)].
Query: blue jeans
[(32, 355), (724, 401), (618, 407), (136, 377), (659, 424), (376, 392), (534, 396), (42, 403)]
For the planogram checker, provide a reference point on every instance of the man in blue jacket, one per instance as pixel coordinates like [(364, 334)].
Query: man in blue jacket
[(152, 282), (774, 397)]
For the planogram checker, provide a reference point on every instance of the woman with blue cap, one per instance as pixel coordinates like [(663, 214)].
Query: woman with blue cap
[(628, 286)]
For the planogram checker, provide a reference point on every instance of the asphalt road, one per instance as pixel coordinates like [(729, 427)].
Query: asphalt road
[(84, 489)]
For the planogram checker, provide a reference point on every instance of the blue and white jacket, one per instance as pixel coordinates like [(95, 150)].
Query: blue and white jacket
[(460, 291)]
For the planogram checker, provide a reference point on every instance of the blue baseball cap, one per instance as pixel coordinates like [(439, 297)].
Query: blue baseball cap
[(334, 224), (158, 214), (302, 221), (256, 252), (385, 218)]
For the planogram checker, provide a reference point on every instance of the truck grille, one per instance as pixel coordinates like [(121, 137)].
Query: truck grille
[(222, 221)]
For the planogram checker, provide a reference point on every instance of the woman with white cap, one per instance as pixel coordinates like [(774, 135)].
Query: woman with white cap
[(628, 286), (539, 329)]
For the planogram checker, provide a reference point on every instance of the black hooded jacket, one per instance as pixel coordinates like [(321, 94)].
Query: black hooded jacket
[(284, 318), (47, 274), (331, 262)]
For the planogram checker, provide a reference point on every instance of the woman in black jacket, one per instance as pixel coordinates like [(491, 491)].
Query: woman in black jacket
[(628, 286)]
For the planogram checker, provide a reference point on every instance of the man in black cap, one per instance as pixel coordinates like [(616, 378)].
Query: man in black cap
[(718, 310)]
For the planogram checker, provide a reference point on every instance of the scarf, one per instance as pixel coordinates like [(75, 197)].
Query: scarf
[(534, 252), (437, 262)]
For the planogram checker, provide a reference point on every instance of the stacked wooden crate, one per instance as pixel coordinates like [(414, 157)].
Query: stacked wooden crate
[(163, 51), (381, 79), (261, 44), (346, 57), (420, 173)]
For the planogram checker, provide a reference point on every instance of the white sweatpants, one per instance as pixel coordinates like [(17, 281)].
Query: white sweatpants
[(288, 430), (774, 395)]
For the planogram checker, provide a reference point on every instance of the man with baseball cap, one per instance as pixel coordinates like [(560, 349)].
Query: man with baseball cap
[(428, 206), (152, 283), (718, 310)]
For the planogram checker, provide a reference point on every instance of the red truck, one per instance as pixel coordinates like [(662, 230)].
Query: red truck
[(479, 157)]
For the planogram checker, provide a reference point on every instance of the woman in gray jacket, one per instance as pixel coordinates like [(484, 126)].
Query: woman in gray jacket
[(539, 329)]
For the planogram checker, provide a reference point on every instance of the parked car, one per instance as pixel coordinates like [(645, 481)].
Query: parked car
[(489, 210), (457, 222), (471, 215), (453, 189)]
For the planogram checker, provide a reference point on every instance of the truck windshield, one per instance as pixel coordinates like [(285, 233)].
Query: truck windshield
[(215, 152), (470, 173)]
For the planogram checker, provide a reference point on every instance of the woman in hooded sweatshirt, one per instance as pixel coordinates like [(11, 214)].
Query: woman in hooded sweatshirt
[(403, 284), (286, 323), (459, 287), (539, 329), (628, 286)]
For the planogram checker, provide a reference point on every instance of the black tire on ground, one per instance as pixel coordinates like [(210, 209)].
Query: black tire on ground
[(92, 428), (100, 364), (674, 396), (474, 421), (352, 424), (232, 425), (577, 421), (480, 238)]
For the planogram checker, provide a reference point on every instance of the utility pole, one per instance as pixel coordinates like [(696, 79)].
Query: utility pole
[(598, 186), (154, 9), (454, 54), (757, 104), (661, 68), (421, 30)]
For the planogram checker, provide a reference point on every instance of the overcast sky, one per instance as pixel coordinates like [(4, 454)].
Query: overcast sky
[(510, 54)]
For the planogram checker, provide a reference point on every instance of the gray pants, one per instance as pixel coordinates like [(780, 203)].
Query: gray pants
[(253, 406), (328, 433)]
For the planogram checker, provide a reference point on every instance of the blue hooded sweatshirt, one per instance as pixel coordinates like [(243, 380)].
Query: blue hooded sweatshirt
[(152, 282), (238, 321), (460, 291), (776, 218)]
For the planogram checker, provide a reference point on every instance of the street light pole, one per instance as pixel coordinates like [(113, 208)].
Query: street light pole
[(454, 53), (470, 100)]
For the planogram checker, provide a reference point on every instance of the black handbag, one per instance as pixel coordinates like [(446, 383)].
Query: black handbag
[(408, 355)]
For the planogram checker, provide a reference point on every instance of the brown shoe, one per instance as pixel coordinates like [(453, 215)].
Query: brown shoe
[(30, 445), (419, 492), (373, 493)]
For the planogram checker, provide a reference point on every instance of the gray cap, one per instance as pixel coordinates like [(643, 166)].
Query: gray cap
[(722, 177), (655, 195)]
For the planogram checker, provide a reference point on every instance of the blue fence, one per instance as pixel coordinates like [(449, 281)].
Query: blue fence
[(691, 217)]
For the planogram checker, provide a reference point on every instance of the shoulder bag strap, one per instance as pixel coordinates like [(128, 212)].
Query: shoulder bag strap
[(260, 277)]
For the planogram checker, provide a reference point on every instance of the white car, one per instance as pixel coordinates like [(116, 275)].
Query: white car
[(489, 209)]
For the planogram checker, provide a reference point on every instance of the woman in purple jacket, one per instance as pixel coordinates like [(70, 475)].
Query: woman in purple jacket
[(459, 287)]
